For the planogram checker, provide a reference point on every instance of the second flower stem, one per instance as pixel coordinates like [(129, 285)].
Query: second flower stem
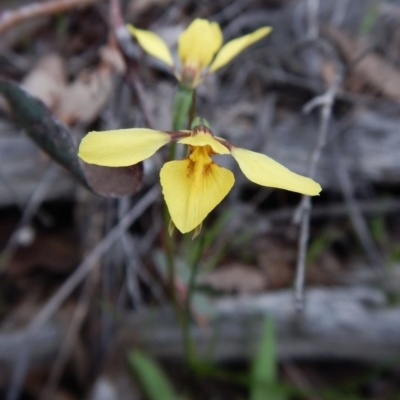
[(190, 349), (184, 110)]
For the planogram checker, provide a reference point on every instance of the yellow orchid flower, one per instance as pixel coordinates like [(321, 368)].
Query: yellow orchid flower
[(199, 48), (194, 186)]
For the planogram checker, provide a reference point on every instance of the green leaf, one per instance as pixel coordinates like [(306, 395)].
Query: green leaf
[(41, 125), (154, 382), (58, 141), (263, 374)]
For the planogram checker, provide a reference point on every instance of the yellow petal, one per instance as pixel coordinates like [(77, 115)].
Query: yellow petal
[(203, 139), (265, 171), (152, 44), (193, 187), (235, 46), (122, 147), (198, 44)]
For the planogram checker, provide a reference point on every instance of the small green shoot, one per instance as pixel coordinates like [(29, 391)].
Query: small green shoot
[(152, 379), (320, 244), (370, 18), (263, 374), (378, 230)]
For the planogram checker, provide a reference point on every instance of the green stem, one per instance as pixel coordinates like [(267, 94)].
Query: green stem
[(187, 338), (192, 112), (183, 107), (169, 249)]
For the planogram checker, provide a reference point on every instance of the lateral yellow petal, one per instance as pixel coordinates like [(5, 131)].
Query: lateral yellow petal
[(198, 44), (193, 187), (152, 44), (235, 46), (265, 171), (122, 147), (205, 140)]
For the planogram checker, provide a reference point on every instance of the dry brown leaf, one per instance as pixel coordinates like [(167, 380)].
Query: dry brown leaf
[(86, 97), (277, 259), (372, 68), (112, 58), (47, 80), (328, 73), (83, 99), (236, 278)]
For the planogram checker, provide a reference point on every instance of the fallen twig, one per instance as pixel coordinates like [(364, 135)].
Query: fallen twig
[(362, 326), (313, 19), (302, 216), (124, 39), (10, 18), (90, 261), (93, 236), (53, 304), (30, 210)]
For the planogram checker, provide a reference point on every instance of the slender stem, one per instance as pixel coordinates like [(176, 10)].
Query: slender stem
[(190, 349), (170, 259), (192, 111), (302, 216), (188, 340), (172, 151), (183, 107)]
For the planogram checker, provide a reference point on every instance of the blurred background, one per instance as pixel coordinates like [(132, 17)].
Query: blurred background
[(84, 308)]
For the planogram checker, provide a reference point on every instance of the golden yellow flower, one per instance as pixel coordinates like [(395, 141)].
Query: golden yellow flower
[(199, 49), (194, 186)]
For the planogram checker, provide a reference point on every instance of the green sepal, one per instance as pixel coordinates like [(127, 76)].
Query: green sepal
[(200, 121)]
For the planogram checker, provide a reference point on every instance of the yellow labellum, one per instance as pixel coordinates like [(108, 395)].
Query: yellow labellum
[(193, 187), (265, 171), (121, 147)]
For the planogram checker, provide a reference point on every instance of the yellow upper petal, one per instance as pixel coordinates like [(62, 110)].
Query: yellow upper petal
[(266, 172), (198, 44), (152, 44), (193, 187), (122, 147), (235, 46), (204, 139)]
